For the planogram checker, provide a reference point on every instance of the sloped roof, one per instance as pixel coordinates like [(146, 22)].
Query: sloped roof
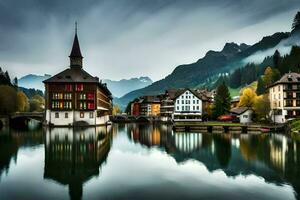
[(291, 77), (150, 99), (239, 110), (73, 74), (201, 94)]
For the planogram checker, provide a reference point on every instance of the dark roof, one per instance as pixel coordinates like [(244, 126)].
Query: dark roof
[(75, 52), (288, 78), (204, 95), (150, 99), (239, 110)]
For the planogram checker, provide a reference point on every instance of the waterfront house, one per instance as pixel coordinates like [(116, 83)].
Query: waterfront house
[(244, 114), (189, 105), (150, 106), (167, 105), (284, 96), (74, 97)]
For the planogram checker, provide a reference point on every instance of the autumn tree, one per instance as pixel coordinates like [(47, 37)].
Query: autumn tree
[(248, 98), (8, 96), (116, 110), (222, 101), (261, 107), (37, 103), (22, 102)]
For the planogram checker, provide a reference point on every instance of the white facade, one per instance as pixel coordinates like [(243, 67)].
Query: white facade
[(187, 107), (68, 118), (246, 117)]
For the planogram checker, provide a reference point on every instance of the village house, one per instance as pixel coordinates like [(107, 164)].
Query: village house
[(167, 105), (74, 97), (284, 96), (146, 106), (189, 105), (244, 114)]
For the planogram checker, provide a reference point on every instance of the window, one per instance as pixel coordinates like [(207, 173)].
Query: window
[(187, 108), (79, 87), (91, 115), (66, 115), (197, 107), (82, 96), (193, 107), (56, 115), (245, 116), (182, 108), (67, 96), (178, 101), (182, 101), (90, 96), (82, 105), (197, 101), (67, 105), (91, 106), (81, 114), (68, 87), (193, 101), (177, 108)]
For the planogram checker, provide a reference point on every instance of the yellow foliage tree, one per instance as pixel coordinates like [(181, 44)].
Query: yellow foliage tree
[(268, 76), (261, 107), (22, 102), (248, 98), (116, 110)]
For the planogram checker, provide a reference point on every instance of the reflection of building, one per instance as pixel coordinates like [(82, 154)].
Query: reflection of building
[(72, 157), (284, 97), (73, 96)]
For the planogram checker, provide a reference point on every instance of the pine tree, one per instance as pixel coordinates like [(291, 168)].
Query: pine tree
[(276, 59), (296, 23), (260, 86), (222, 101)]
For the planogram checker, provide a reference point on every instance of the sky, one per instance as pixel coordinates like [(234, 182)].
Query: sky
[(131, 38)]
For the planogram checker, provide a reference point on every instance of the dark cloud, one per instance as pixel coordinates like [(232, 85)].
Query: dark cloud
[(140, 36)]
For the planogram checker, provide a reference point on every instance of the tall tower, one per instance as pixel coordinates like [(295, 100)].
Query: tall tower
[(75, 56)]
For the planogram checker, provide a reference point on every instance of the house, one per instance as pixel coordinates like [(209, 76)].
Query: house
[(244, 114), (150, 106), (284, 96), (189, 105), (235, 102), (135, 109), (167, 105), (74, 97)]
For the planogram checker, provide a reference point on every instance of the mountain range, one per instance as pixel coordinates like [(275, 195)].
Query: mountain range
[(117, 88), (207, 69)]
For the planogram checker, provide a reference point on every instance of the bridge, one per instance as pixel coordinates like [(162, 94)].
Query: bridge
[(20, 118)]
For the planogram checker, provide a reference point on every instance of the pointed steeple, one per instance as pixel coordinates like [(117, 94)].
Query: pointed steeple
[(75, 56)]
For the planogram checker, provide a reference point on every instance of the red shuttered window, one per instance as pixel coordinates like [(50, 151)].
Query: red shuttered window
[(79, 87)]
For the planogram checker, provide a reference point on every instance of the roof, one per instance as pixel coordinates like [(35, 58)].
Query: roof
[(150, 99), (75, 52), (239, 110), (73, 74), (204, 95), (235, 99), (288, 78)]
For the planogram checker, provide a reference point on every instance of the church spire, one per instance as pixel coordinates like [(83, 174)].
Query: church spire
[(75, 56)]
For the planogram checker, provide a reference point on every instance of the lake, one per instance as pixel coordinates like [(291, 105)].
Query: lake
[(140, 161)]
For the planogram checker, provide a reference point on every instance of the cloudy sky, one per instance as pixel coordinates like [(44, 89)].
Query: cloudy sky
[(131, 38)]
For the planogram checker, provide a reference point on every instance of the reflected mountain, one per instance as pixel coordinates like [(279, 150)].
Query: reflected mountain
[(73, 156), (276, 158), (11, 141)]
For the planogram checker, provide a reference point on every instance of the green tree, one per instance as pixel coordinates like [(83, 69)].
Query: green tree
[(260, 86), (235, 79), (8, 97), (222, 101), (296, 23), (22, 102), (276, 59)]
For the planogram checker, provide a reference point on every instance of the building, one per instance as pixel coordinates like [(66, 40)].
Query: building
[(167, 105), (150, 106), (284, 96), (74, 97), (244, 114), (189, 105)]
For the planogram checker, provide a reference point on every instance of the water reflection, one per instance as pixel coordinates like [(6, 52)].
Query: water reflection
[(73, 156), (273, 157)]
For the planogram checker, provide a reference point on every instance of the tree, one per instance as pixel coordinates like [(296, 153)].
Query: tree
[(248, 98), (235, 79), (296, 23), (37, 103), (222, 101), (260, 86), (268, 76), (116, 110), (261, 107), (22, 102), (8, 96), (276, 59)]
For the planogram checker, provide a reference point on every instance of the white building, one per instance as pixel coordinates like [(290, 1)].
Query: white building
[(188, 106), (244, 114), (284, 96)]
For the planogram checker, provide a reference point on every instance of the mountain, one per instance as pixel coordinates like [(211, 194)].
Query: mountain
[(124, 86), (33, 81), (211, 65)]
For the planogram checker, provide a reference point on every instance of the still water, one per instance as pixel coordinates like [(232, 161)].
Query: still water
[(146, 162)]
